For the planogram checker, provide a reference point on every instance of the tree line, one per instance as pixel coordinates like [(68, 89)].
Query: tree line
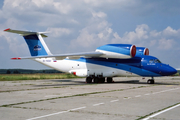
[(27, 71)]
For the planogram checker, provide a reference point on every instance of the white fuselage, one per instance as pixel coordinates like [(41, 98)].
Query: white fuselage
[(83, 69)]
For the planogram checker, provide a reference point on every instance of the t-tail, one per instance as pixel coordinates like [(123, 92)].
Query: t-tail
[(35, 42)]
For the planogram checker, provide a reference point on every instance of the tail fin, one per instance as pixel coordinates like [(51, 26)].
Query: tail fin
[(35, 42)]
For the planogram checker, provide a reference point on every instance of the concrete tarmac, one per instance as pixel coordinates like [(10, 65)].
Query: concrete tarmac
[(128, 98)]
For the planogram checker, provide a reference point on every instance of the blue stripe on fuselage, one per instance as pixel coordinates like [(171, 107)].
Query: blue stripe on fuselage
[(131, 65)]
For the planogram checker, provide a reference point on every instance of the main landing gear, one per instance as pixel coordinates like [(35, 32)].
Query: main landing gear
[(151, 81), (88, 80), (109, 80), (98, 80)]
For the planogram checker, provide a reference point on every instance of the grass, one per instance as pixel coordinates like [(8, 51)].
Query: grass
[(38, 76)]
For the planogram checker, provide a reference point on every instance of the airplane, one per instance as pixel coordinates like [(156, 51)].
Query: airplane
[(106, 62)]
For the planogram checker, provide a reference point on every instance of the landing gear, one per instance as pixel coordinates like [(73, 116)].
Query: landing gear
[(102, 80), (99, 80), (151, 81), (88, 80), (109, 80), (95, 79)]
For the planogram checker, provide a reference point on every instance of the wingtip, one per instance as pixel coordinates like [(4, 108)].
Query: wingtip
[(15, 58), (7, 29)]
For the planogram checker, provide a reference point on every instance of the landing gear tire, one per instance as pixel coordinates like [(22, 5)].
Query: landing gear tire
[(102, 80), (88, 80), (150, 81), (109, 80), (96, 80)]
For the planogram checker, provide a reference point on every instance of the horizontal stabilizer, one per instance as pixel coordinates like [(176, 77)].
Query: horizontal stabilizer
[(25, 33)]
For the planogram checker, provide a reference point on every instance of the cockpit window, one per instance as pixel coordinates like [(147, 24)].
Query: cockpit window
[(154, 61), (151, 61), (157, 61)]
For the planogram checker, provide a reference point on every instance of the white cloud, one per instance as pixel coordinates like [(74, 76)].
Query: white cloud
[(116, 36), (74, 21), (154, 33), (141, 31), (21, 6), (102, 24), (96, 33), (93, 2), (152, 43), (13, 44), (42, 3), (99, 14), (57, 32), (165, 44), (170, 32), (100, 35), (62, 8), (142, 36)]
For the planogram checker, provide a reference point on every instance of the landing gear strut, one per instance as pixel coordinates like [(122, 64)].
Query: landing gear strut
[(151, 81)]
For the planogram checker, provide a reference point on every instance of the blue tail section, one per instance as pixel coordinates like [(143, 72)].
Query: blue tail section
[(35, 45)]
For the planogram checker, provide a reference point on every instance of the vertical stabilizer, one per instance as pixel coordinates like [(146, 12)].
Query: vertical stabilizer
[(35, 42)]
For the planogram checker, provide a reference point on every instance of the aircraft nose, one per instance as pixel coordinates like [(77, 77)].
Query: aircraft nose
[(172, 71), (168, 70)]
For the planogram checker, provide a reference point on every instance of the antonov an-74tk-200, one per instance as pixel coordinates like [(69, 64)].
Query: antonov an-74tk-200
[(104, 63)]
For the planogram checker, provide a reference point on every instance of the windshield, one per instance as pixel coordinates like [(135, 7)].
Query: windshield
[(154, 61)]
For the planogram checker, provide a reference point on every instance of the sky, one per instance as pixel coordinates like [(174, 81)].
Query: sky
[(83, 25)]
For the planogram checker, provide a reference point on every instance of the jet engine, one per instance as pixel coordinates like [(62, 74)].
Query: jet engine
[(142, 51), (123, 51)]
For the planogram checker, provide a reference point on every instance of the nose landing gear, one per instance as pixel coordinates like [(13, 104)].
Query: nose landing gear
[(151, 81)]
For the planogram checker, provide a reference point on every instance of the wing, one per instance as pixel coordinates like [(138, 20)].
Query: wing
[(63, 56)]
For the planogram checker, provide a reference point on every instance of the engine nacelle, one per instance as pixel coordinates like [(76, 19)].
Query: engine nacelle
[(123, 51), (142, 51)]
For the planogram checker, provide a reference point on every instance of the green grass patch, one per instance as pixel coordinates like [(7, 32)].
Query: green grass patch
[(13, 77)]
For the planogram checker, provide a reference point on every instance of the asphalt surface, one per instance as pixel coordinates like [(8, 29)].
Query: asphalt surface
[(128, 98)]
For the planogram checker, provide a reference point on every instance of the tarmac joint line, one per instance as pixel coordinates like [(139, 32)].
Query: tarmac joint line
[(153, 114)]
